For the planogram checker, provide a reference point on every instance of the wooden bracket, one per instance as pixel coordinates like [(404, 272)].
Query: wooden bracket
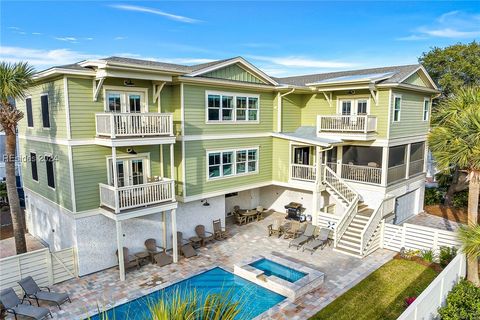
[(328, 97), (157, 88), (97, 87)]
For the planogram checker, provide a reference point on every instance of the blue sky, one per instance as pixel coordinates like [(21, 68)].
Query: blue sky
[(282, 38)]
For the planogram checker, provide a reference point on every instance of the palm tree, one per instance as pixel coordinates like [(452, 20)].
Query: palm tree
[(470, 238), (15, 79), (455, 142)]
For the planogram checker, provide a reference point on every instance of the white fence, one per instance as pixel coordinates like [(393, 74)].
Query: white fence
[(427, 303), (411, 236), (45, 267)]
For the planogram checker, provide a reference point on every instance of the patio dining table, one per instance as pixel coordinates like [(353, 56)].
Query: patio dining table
[(250, 214)]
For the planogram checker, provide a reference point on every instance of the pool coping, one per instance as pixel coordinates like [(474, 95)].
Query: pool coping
[(292, 290), (144, 292)]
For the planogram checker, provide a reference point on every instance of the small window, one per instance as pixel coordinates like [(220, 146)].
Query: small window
[(45, 111), (213, 107), (33, 165), (50, 173), (114, 104), (362, 107), (397, 105), (135, 103), (227, 108), (252, 109), (426, 109), (241, 108), (28, 104), (214, 164), (346, 107)]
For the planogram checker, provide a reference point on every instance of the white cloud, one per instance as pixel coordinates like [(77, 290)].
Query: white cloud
[(452, 25), (14, 28), (68, 39), (37, 33), (40, 58), (119, 38), (186, 61), (156, 12)]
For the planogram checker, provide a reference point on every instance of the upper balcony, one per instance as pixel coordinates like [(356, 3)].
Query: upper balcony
[(348, 127), (124, 129)]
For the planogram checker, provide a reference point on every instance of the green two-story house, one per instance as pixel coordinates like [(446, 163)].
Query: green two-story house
[(121, 150)]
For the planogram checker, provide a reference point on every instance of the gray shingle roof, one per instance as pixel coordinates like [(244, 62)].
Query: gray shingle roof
[(399, 72)]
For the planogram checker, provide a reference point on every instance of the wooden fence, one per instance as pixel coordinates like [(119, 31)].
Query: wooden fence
[(427, 303), (45, 267), (411, 236)]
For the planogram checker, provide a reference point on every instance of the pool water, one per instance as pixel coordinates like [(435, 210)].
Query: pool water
[(253, 299), (270, 268)]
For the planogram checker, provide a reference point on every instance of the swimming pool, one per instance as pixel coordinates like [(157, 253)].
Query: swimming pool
[(270, 268), (254, 299)]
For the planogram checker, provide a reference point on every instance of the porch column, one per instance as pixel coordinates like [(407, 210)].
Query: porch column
[(384, 165), (121, 265), (318, 167), (115, 178), (407, 157), (164, 227), (173, 216), (339, 160), (172, 164), (162, 162)]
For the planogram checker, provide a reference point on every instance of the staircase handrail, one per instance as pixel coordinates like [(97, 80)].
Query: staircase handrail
[(346, 193), (374, 220), (345, 221)]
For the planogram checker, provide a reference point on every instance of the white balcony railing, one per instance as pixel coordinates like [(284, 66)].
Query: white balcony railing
[(348, 124), (129, 197), (303, 172), (134, 124), (362, 173)]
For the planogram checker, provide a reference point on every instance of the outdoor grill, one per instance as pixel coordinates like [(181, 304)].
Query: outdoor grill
[(295, 211)]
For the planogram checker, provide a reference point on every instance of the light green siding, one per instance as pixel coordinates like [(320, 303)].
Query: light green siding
[(280, 160), (416, 80), (196, 165), (291, 112), (233, 72), (90, 169), (83, 108), (61, 194), (411, 115), (56, 106), (195, 112)]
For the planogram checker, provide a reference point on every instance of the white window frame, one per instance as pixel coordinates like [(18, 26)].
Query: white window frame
[(395, 96), (140, 156), (124, 92), (234, 162), (235, 95), (426, 113), (353, 100)]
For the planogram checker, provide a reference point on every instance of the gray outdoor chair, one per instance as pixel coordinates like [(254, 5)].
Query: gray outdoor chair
[(15, 306), (304, 238), (33, 291), (320, 241)]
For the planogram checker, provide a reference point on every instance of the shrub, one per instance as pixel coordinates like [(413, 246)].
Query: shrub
[(409, 254), (463, 302), (446, 255), (433, 196), (460, 199), (427, 255), (409, 301)]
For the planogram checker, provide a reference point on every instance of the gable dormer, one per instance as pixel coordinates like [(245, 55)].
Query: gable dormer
[(234, 72), (417, 79)]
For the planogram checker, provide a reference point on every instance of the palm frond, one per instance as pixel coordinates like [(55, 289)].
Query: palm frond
[(15, 79), (470, 238)]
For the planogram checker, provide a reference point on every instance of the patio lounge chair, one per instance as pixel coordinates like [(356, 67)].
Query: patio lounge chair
[(129, 261), (33, 291), (219, 232), (304, 238), (161, 257), (275, 228), (293, 231), (320, 241), (184, 247), (203, 234), (15, 306)]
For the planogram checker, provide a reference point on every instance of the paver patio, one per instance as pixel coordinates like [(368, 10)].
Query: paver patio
[(429, 220), (342, 272)]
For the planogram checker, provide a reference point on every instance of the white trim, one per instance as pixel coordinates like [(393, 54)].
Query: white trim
[(55, 71), (407, 87), (72, 179), (395, 96), (235, 96), (354, 106), (145, 157), (233, 163), (279, 112), (250, 67), (123, 102), (227, 83), (425, 73), (224, 136), (182, 134), (302, 140), (389, 112), (60, 141), (67, 107), (426, 99)]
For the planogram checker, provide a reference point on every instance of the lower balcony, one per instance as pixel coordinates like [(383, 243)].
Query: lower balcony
[(136, 196), (303, 172)]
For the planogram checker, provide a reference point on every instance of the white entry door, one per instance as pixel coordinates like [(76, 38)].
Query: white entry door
[(130, 172), (405, 206)]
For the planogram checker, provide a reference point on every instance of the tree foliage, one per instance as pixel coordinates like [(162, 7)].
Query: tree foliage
[(453, 67)]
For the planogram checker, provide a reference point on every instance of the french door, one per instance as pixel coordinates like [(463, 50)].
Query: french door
[(130, 172), (125, 102), (352, 107)]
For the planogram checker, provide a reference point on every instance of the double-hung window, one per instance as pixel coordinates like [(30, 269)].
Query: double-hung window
[(28, 106), (397, 105), (232, 107), (45, 111), (232, 162), (426, 109)]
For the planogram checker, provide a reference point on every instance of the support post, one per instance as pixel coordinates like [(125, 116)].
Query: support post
[(339, 160), (162, 162), (384, 166), (115, 178), (407, 156), (164, 227), (121, 265), (172, 164), (173, 216)]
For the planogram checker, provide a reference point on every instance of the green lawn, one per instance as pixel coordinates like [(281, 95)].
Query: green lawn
[(381, 295)]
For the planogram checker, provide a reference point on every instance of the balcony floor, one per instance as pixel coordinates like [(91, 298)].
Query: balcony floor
[(134, 141)]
